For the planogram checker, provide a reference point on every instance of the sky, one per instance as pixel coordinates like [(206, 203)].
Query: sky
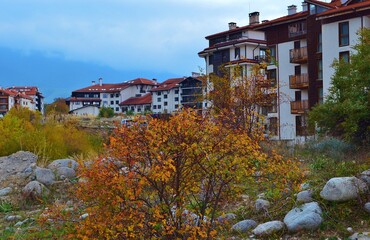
[(63, 45)]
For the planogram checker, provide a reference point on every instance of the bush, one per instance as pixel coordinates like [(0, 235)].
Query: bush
[(106, 112)]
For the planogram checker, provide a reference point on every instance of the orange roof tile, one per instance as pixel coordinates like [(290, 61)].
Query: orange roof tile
[(168, 84), (345, 9), (282, 20), (146, 99)]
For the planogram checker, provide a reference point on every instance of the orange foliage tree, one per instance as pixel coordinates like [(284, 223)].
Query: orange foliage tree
[(243, 96), (171, 178)]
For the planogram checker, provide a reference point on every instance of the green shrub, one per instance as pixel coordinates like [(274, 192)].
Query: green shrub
[(106, 112)]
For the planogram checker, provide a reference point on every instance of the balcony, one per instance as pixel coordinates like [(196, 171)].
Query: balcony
[(298, 55), (298, 81), (263, 82), (299, 107)]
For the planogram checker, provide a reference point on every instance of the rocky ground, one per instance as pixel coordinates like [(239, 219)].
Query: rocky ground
[(23, 183)]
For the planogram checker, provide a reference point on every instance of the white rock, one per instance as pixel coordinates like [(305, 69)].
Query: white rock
[(244, 226), (44, 176), (262, 204), (268, 228), (343, 189), (360, 236), (5, 191), (306, 217), (304, 196), (84, 216), (367, 207)]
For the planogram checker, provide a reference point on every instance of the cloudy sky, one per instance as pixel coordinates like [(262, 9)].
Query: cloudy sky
[(62, 45)]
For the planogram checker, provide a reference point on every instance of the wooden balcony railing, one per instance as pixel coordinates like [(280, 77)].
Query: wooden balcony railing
[(298, 55), (299, 107), (298, 81)]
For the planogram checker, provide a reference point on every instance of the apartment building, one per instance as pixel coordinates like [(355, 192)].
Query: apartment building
[(32, 92), (176, 93), (11, 98), (304, 44), (109, 94), (137, 105)]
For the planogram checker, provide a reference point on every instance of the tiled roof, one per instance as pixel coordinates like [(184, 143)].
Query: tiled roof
[(237, 29), (345, 9), (282, 20), (168, 84), (76, 99), (28, 90), (146, 99), (116, 87), (9, 92), (233, 42), (332, 4)]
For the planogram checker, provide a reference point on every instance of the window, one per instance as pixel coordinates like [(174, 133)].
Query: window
[(117, 94), (319, 43), (117, 109), (159, 93), (176, 99), (159, 106), (165, 96), (165, 103), (177, 91), (117, 102), (132, 108), (273, 107), (154, 106), (96, 95), (271, 76), (159, 99), (137, 95), (86, 95), (273, 126), (344, 56), (210, 60), (272, 54), (321, 95), (237, 53), (139, 109), (297, 29), (112, 95), (105, 95), (319, 69), (111, 102), (343, 34), (176, 106)]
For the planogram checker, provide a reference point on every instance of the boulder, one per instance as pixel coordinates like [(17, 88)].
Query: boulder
[(44, 176), (15, 164), (360, 236), (261, 205), (65, 172), (244, 226), (304, 196), (5, 191), (268, 228), (306, 217), (35, 190), (343, 189), (367, 207), (70, 163), (226, 217), (365, 176)]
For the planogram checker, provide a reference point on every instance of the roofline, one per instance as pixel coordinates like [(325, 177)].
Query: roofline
[(335, 14)]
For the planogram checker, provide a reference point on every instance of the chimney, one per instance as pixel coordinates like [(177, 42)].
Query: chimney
[(195, 74), (93, 82), (154, 80), (304, 6), (100, 81), (254, 18), (292, 9), (232, 25)]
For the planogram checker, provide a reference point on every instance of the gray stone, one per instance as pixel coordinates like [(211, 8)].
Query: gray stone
[(15, 164), (226, 218), (262, 204), (13, 218), (244, 226), (5, 191), (360, 236), (44, 176), (306, 217), (367, 207), (305, 186), (70, 163), (84, 216), (18, 224), (343, 189), (35, 190), (65, 172), (268, 228), (304, 196)]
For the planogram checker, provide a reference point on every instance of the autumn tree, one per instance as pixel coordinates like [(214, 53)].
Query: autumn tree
[(346, 110), (242, 96), (171, 178), (59, 106)]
